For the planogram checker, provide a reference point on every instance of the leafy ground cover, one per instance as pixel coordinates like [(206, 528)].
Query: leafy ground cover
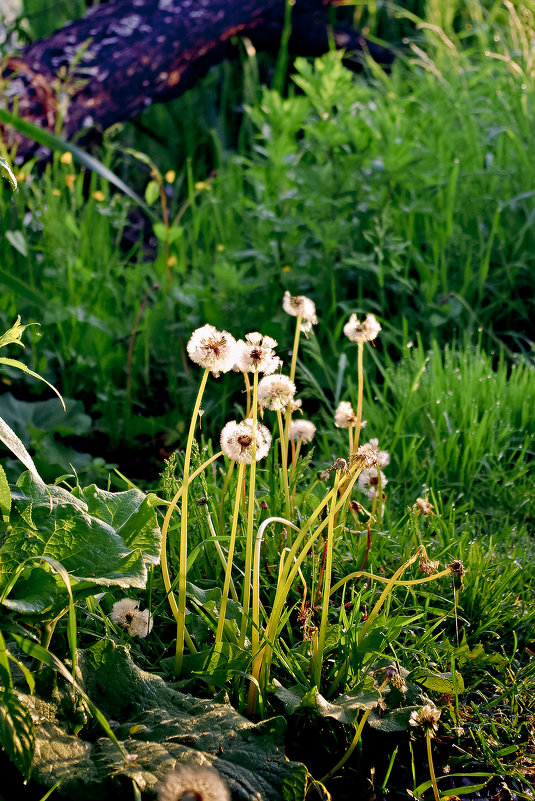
[(303, 605)]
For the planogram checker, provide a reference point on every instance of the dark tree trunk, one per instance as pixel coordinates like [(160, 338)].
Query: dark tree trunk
[(125, 55)]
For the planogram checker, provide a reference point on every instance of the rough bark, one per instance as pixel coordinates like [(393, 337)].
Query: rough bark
[(128, 54)]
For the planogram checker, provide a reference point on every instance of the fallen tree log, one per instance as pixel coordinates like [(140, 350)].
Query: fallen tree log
[(125, 55)]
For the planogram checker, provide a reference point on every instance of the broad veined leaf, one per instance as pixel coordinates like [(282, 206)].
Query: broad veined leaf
[(51, 522), (16, 731), (11, 441), (438, 682), (161, 727)]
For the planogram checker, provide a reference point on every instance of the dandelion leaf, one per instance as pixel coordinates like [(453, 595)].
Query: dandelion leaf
[(160, 728), (16, 731)]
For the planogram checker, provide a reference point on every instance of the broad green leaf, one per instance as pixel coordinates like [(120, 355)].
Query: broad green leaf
[(22, 366), (391, 722), (438, 682), (218, 664), (50, 522), (34, 592), (161, 726), (7, 172), (11, 441), (16, 731), (45, 416), (152, 192), (345, 709), (21, 289), (16, 240)]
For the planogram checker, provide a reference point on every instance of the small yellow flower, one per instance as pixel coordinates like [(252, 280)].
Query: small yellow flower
[(286, 268), (70, 180), (220, 248), (98, 195), (170, 176), (172, 261), (200, 185), (66, 158), (56, 193)]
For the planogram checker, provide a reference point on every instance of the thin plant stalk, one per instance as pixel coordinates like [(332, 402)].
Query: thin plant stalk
[(250, 519), (326, 584), (284, 466), (248, 395), (431, 766), (354, 742), (226, 483), (183, 564), (230, 558), (220, 553), (360, 375), (163, 547), (288, 415)]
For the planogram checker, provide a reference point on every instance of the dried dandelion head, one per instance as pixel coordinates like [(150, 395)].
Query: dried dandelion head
[(237, 441), (366, 455), (368, 481), (295, 405), (393, 675), (127, 614), (422, 506), (212, 349), (383, 457), (344, 416), (255, 354), (302, 430), (275, 392), (192, 783), (427, 717), (301, 306), (428, 566), (363, 331)]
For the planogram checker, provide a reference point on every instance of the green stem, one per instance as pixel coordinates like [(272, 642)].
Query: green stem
[(222, 498), (284, 467), (163, 547), (230, 558), (360, 371), (326, 585), (354, 743), (431, 766), (183, 564), (250, 519), (288, 415)]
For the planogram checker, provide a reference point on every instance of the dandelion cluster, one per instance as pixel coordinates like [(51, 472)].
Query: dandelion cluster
[(127, 614)]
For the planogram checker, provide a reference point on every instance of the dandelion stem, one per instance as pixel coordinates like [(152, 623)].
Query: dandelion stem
[(326, 584), (248, 392), (284, 466), (288, 416), (183, 565), (250, 519), (431, 766), (295, 348), (226, 585), (163, 547), (222, 498), (359, 397)]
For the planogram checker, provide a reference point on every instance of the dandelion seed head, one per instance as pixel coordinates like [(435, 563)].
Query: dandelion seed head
[(301, 306), (192, 783), (422, 506), (302, 430), (212, 349), (363, 331), (383, 457), (368, 481), (127, 614), (275, 392), (256, 354), (237, 441), (427, 717)]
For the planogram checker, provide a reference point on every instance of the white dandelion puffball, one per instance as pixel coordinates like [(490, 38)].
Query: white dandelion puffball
[(383, 457), (275, 392), (303, 307), (302, 430), (212, 349), (344, 416), (256, 354), (368, 481), (362, 331), (237, 441), (192, 782), (127, 614)]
